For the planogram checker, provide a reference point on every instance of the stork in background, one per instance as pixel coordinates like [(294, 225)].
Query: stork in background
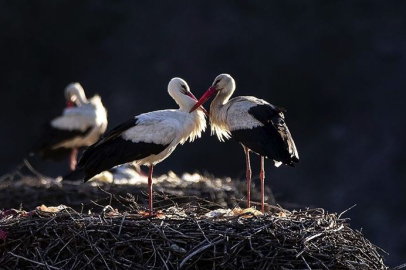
[(259, 126), (148, 138), (81, 124)]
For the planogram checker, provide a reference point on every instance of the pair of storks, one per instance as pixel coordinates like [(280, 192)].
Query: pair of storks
[(149, 138)]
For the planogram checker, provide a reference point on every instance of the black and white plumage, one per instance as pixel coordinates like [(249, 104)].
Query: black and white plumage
[(258, 125), (81, 124), (149, 138)]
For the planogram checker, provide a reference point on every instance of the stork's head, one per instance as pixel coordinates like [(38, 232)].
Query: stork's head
[(223, 84), (75, 94), (179, 90)]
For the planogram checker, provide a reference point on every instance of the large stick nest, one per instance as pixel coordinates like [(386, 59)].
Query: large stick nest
[(29, 188), (186, 231), (187, 236)]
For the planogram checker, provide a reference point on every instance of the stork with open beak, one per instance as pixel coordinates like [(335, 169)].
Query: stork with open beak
[(81, 124), (259, 126), (148, 138)]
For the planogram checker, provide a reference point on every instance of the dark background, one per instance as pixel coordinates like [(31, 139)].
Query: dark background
[(337, 66)]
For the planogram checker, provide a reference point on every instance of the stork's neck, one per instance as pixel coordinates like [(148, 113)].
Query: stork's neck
[(185, 103), (221, 98), (218, 115), (81, 98)]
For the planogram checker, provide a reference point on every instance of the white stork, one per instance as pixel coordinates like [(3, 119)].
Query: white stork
[(259, 126), (148, 138), (81, 124)]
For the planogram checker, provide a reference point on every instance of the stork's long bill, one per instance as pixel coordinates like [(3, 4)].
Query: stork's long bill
[(212, 90), (69, 104), (196, 106)]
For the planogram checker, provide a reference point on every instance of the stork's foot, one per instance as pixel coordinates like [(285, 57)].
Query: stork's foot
[(261, 207), (151, 214)]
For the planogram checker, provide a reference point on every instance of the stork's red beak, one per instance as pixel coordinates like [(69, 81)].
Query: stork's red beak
[(193, 97), (204, 98), (69, 104)]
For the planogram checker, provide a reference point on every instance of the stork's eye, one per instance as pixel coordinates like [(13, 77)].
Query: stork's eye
[(184, 87), (217, 82)]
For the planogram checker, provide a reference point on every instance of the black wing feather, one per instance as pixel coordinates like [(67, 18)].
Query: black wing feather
[(51, 137), (112, 150), (273, 139)]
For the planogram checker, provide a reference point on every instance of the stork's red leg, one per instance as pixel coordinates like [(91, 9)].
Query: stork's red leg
[(248, 175), (151, 169), (73, 159), (262, 177)]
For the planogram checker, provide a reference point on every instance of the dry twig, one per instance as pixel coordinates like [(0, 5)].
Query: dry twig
[(184, 237)]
